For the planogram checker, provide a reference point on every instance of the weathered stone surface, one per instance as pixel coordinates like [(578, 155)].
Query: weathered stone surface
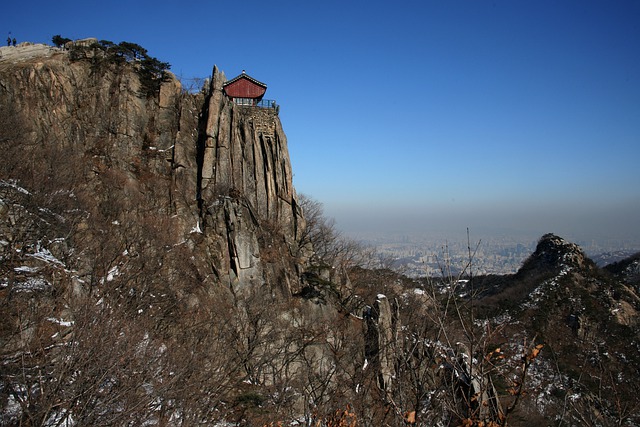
[(245, 152), (217, 174), (382, 324), (26, 51)]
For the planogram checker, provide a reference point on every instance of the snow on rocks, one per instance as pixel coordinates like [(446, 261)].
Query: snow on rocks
[(32, 284), (43, 254), (60, 322)]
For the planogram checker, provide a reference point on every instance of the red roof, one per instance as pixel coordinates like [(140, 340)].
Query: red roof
[(244, 86)]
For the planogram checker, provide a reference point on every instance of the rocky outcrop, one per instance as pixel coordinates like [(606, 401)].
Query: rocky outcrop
[(382, 325), (244, 150), (217, 175), (244, 176), (555, 253), (25, 51)]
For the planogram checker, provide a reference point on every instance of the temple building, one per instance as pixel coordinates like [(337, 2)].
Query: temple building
[(245, 90)]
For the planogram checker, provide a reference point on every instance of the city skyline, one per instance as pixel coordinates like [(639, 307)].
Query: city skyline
[(435, 254)]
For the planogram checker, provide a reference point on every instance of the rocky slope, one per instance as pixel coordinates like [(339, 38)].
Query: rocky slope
[(141, 232), (627, 270), (588, 321)]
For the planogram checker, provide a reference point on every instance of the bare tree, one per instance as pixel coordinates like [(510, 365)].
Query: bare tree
[(329, 246)]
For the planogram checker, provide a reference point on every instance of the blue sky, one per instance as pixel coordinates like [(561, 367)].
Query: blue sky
[(414, 116)]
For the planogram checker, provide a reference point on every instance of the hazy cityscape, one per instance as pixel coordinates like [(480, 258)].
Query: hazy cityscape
[(431, 255)]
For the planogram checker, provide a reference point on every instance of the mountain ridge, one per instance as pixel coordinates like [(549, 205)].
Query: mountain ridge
[(588, 321)]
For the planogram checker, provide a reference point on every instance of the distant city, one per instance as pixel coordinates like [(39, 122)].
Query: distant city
[(418, 255)]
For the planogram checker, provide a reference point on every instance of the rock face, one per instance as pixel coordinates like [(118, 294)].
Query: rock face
[(156, 232), (244, 168), (216, 176), (25, 51), (244, 150), (382, 323)]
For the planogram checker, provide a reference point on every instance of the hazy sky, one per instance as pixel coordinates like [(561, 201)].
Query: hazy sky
[(517, 115)]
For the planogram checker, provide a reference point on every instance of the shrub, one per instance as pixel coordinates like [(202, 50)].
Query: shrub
[(151, 71)]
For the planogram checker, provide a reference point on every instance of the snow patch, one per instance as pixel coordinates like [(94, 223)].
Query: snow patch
[(43, 254), (26, 269), (60, 419), (60, 321), (13, 184), (12, 408), (112, 273), (196, 229)]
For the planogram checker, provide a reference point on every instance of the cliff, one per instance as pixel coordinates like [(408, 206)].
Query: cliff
[(216, 176), (244, 181), (149, 238)]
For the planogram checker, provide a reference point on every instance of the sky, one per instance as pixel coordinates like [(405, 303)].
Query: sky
[(416, 116)]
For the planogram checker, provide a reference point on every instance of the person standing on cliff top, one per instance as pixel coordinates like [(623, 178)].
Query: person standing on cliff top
[(9, 41), (14, 41)]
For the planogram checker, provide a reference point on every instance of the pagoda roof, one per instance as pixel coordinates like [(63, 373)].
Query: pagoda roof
[(244, 76)]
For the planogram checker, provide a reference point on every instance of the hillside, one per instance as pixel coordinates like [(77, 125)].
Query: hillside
[(588, 320), (158, 268), (128, 218)]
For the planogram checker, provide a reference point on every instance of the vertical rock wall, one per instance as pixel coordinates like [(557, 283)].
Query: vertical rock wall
[(382, 325), (244, 154), (245, 189)]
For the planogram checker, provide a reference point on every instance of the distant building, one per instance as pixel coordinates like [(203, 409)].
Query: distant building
[(245, 90)]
